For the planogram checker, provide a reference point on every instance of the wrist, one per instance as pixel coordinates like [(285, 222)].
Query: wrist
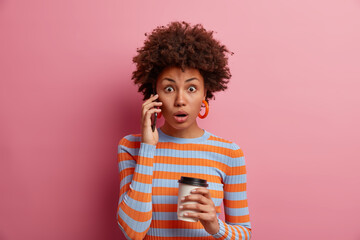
[(214, 228)]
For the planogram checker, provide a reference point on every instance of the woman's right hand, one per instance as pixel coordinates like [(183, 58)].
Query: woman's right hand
[(149, 108)]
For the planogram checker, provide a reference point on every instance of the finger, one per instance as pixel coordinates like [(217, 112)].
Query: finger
[(148, 114), (202, 216), (150, 106), (151, 98), (197, 198), (203, 191), (197, 207)]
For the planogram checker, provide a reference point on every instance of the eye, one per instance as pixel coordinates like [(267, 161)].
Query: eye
[(169, 89), (192, 89)]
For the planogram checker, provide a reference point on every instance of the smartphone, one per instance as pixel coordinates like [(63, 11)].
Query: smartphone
[(154, 117)]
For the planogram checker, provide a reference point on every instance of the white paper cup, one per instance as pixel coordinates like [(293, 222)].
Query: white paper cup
[(186, 184)]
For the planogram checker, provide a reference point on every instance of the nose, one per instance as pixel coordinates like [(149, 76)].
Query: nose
[(180, 99)]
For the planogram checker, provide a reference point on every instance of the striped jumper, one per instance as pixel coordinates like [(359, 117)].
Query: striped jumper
[(149, 174)]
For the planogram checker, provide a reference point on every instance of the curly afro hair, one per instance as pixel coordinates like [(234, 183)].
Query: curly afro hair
[(181, 45)]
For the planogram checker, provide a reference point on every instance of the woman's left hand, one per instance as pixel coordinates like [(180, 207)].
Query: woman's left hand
[(205, 208)]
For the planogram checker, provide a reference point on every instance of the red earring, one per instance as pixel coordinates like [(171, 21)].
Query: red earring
[(159, 115), (206, 110)]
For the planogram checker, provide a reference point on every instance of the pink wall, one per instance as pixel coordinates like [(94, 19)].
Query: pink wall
[(292, 105)]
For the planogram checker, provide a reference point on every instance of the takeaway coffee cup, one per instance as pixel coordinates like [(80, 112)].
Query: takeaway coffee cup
[(186, 184)]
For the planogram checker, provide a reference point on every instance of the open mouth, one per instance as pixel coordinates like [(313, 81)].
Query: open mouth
[(180, 117)]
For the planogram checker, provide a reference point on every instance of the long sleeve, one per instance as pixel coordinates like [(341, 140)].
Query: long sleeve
[(237, 221), (135, 161)]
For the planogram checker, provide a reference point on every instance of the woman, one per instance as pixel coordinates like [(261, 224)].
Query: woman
[(184, 66)]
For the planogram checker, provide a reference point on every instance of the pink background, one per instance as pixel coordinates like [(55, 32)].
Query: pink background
[(292, 105)]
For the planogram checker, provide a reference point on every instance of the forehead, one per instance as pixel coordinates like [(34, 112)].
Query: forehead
[(175, 73)]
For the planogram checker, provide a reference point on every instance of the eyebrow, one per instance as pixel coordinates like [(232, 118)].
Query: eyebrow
[(172, 80)]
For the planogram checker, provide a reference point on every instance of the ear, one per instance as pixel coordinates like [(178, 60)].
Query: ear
[(205, 93)]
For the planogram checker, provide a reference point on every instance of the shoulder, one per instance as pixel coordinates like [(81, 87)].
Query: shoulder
[(233, 149), (131, 140)]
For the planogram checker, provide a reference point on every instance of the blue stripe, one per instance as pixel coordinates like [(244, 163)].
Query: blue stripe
[(132, 138), (219, 144), (237, 162), (161, 199), (174, 183), (126, 180), (246, 224), (132, 151), (141, 187), (126, 164), (140, 226), (165, 216), (144, 169), (237, 211), (187, 169), (136, 205), (141, 169), (240, 230), (147, 150), (217, 157), (122, 229), (235, 196), (177, 232), (236, 179)]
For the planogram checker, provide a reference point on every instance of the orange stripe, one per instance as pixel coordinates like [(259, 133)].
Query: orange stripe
[(218, 139), (237, 170), (161, 191), (164, 207), (240, 234), (188, 147), (136, 215), (177, 176), (239, 187), (232, 230), (143, 178), (175, 224), (129, 144), (235, 204), (145, 161), (124, 188), (226, 232), (218, 209), (130, 232), (147, 237), (126, 172), (123, 156), (195, 147), (138, 196), (238, 153), (192, 162), (173, 208), (238, 219)]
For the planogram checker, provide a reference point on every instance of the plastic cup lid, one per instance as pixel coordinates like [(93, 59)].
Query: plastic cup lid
[(193, 181)]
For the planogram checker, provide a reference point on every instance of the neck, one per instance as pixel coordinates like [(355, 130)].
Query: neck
[(191, 132)]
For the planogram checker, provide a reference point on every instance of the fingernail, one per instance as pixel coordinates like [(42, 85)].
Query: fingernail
[(193, 190), (185, 214), (181, 207), (183, 198)]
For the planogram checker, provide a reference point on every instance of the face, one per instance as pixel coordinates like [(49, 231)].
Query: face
[(182, 94)]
